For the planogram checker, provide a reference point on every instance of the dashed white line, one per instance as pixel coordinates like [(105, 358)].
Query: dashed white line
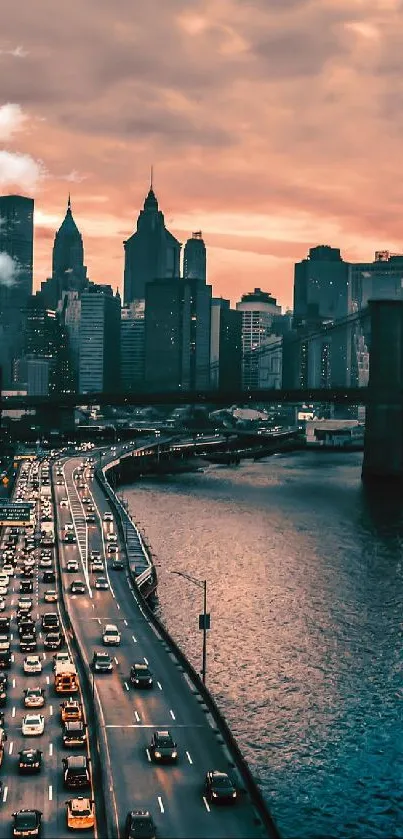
[(134, 639), (125, 622), (47, 680), (99, 621), (161, 804), (172, 714), (137, 716), (146, 661), (44, 656), (115, 660), (10, 748), (50, 749), (159, 685), (50, 709), (5, 793), (189, 758), (148, 755), (117, 605), (50, 792), (13, 683), (206, 804), (126, 685), (13, 712)]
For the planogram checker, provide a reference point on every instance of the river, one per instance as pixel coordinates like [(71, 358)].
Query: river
[(305, 590)]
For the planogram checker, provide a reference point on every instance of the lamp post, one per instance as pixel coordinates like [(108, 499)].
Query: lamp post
[(204, 618)]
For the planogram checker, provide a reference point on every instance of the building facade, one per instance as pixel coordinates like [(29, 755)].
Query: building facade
[(133, 346), (194, 259), (150, 253), (225, 346), (99, 362), (68, 270), (258, 309)]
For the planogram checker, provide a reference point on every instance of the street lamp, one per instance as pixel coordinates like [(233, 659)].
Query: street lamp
[(204, 619)]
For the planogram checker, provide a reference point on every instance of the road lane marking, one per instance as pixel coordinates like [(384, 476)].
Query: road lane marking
[(99, 621), (134, 639), (145, 660), (50, 709), (115, 660), (47, 680), (13, 712), (126, 685), (10, 748), (50, 749), (137, 716), (5, 793), (189, 758), (44, 656), (13, 683), (148, 755), (155, 631), (159, 685), (125, 622), (12, 657), (172, 714), (117, 605), (161, 804), (50, 792), (206, 804)]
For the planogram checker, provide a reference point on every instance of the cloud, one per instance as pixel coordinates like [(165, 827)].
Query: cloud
[(9, 269), (20, 170), (73, 177), (17, 52), (12, 120)]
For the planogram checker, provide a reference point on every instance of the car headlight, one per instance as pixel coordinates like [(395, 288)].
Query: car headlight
[(137, 681), (215, 795), (234, 794), (174, 754), (150, 681), (157, 754)]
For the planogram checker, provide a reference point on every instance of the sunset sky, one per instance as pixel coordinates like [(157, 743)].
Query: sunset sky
[(273, 126)]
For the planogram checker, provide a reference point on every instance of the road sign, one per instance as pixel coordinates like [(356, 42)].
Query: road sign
[(204, 621), (14, 514)]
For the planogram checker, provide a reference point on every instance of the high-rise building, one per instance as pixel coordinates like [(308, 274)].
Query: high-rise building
[(68, 270), (16, 275), (44, 360), (69, 308), (150, 253), (194, 258), (258, 309), (132, 346), (99, 364), (177, 335), (380, 279), (225, 346)]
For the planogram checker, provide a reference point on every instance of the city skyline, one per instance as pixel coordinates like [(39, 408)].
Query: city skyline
[(211, 96)]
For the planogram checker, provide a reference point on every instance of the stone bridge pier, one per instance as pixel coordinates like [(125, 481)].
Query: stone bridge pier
[(383, 443)]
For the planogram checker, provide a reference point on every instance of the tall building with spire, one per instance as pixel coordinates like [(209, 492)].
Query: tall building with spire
[(151, 253), (68, 270), (194, 258)]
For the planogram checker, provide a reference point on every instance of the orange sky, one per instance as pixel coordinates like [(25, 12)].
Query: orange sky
[(273, 126)]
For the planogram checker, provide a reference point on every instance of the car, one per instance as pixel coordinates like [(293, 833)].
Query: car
[(59, 658), (3, 590), (26, 624), (74, 733), (49, 577), (141, 676), (32, 664), (33, 725), (27, 823), (28, 643), (45, 562), (97, 565), (140, 823), (80, 813), (112, 549), (101, 583), (95, 555), (162, 746), (72, 565), (8, 569), (29, 761), (219, 787), (76, 773), (101, 662), (111, 635), (50, 596), (3, 689), (53, 640), (50, 621), (90, 518), (78, 587), (27, 572), (71, 709), (64, 502), (117, 565), (107, 516), (4, 624), (5, 659), (26, 587), (4, 641), (34, 697), (2, 604), (111, 537)]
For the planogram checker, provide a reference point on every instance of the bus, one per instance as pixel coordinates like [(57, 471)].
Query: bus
[(66, 679)]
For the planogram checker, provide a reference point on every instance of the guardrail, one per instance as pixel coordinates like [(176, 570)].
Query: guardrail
[(239, 762)]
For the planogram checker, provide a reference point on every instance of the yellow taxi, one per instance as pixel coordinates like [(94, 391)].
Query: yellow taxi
[(80, 813), (71, 709)]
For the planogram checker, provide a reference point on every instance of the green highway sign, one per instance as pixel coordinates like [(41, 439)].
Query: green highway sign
[(13, 513)]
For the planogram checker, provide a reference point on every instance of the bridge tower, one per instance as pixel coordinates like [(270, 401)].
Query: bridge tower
[(383, 445)]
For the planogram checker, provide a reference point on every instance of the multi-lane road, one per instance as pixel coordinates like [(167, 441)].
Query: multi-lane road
[(174, 794)]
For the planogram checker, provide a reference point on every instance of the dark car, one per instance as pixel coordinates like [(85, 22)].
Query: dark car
[(76, 773), (140, 825), (78, 587), (141, 676), (27, 571), (219, 787), (74, 733), (26, 625), (50, 621), (28, 643), (162, 747), (26, 586), (4, 624), (101, 662), (3, 689), (5, 659), (117, 565), (29, 761), (90, 518), (27, 823), (49, 577), (53, 641)]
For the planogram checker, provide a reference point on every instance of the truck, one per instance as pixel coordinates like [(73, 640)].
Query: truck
[(66, 678)]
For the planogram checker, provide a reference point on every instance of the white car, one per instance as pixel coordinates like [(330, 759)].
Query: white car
[(95, 554), (64, 502), (59, 658), (33, 725), (97, 565), (34, 697), (2, 604), (3, 590), (108, 517), (72, 565), (111, 635), (50, 596), (111, 537), (8, 569), (32, 664)]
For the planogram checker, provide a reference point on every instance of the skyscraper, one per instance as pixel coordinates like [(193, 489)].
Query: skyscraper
[(225, 346), (99, 369), (194, 258), (16, 274), (150, 253), (258, 312), (132, 346), (68, 270)]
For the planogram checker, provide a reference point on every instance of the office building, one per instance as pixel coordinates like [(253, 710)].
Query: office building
[(69, 309), (258, 309), (132, 332), (99, 351), (68, 270), (16, 276), (150, 253), (225, 346), (194, 258), (271, 363), (43, 366)]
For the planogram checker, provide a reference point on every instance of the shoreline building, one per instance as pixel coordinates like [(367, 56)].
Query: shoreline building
[(259, 309)]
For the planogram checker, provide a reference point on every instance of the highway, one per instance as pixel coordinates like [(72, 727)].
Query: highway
[(44, 791), (173, 794)]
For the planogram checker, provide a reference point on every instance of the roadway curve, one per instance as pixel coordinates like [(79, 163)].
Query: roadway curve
[(173, 794)]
